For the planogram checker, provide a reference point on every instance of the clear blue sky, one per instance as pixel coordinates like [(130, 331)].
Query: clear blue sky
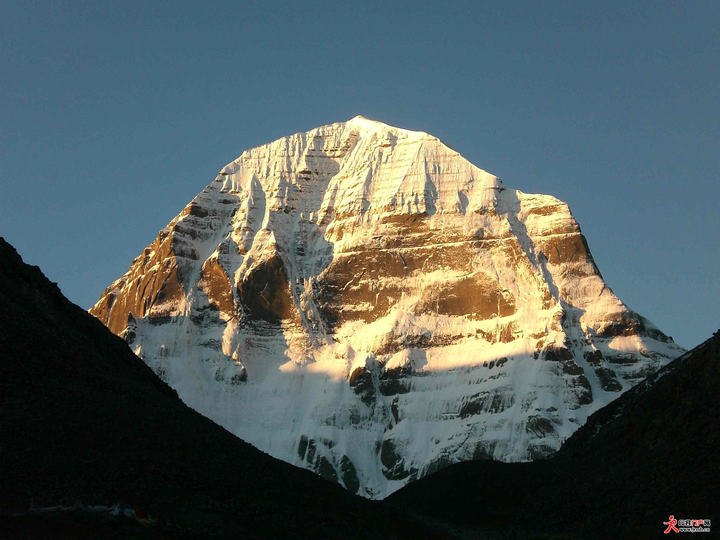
[(114, 115)]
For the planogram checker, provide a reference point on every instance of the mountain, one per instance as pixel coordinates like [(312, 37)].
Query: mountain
[(650, 454), (362, 301), (85, 423)]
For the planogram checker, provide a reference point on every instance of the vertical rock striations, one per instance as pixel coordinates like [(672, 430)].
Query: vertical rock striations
[(362, 301)]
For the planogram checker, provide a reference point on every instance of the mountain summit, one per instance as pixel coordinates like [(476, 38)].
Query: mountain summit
[(362, 301)]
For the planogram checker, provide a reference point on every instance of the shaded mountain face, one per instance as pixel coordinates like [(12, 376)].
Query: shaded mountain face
[(650, 454), (85, 421), (362, 301)]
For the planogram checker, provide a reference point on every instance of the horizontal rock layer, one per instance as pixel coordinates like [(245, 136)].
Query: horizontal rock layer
[(362, 301)]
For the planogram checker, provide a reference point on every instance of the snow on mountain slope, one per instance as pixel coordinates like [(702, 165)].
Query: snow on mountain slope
[(362, 301)]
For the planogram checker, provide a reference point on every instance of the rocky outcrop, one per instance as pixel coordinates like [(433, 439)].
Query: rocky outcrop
[(368, 286)]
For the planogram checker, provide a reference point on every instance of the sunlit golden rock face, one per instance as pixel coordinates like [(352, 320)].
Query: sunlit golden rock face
[(362, 301)]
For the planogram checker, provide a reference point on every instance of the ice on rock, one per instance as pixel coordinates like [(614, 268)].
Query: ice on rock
[(362, 301)]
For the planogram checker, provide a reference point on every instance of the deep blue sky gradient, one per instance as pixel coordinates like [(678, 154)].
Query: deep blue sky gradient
[(114, 115)]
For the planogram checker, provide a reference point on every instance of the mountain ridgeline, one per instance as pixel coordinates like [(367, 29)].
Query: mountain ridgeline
[(648, 455), (86, 424), (362, 301)]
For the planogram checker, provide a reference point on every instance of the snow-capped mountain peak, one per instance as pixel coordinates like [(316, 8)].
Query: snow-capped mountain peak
[(362, 301)]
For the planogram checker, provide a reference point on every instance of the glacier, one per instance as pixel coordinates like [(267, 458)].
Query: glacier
[(362, 301)]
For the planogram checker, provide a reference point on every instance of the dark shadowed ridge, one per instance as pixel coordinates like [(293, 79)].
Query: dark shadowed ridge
[(652, 453), (83, 421)]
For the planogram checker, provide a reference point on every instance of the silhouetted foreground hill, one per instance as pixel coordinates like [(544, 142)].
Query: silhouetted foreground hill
[(84, 421), (652, 453)]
